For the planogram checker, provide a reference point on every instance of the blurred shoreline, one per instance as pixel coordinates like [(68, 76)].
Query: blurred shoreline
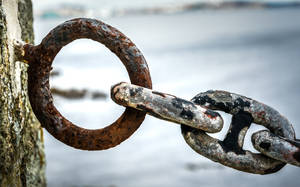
[(66, 10)]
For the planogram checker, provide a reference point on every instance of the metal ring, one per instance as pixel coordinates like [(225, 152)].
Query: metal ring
[(40, 60), (229, 152)]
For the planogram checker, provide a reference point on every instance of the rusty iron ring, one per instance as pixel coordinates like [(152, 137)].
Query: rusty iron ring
[(229, 152), (40, 59)]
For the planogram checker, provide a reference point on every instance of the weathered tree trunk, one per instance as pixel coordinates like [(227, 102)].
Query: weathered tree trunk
[(22, 159)]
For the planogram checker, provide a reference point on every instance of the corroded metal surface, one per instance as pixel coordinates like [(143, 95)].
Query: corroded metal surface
[(276, 147), (166, 107), (196, 116), (40, 59), (229, 152)]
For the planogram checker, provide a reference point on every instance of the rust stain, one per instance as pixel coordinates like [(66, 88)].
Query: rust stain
[(40, 59)]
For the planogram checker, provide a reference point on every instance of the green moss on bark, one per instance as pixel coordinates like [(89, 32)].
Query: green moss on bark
[(22, 159)]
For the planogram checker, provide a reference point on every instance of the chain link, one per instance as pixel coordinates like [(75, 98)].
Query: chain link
[(278, 145), (167, 107)]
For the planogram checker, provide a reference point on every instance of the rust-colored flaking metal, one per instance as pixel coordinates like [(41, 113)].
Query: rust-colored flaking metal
[(40, 59), (229, 152)]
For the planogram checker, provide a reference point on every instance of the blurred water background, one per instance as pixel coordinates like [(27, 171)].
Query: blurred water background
[(251, 50)]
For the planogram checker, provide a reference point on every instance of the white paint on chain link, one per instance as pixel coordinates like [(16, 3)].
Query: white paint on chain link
[(279, 148), (230, 152), (167, 107)]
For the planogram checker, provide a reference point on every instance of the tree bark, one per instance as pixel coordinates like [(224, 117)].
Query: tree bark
[(22, 159)]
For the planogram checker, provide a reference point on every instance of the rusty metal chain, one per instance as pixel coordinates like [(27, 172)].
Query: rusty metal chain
[(277, 148), (277, 145)]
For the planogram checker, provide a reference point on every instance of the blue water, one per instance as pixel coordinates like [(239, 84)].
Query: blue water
[(251, 52)]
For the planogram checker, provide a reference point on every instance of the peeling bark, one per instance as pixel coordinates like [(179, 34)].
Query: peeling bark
[(22, 159)]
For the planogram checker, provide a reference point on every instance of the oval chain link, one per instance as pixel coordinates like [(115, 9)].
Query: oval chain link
[(229, 152)]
